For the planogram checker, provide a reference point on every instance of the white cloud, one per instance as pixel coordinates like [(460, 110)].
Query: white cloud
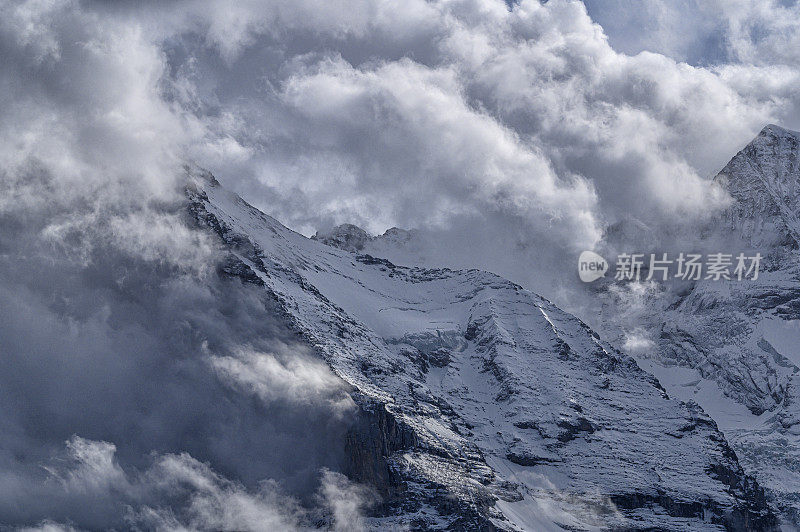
[(447, 115), (212, 502), (346, 501), (404, 127), (293, 376), (177, 492), (94, 467)]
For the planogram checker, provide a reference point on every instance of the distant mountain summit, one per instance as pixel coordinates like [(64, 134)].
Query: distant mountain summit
[(734, 346), (764, 181), (350, 237)]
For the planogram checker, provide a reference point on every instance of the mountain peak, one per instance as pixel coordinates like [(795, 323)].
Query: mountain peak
[(773, 136), (764, 181), (199, 175), (772, 130), (348, 237)]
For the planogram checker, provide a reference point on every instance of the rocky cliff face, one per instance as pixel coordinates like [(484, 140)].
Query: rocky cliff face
[(483, 406)]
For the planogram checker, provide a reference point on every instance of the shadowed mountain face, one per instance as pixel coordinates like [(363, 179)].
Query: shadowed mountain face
[(734, 346), (482, 405)]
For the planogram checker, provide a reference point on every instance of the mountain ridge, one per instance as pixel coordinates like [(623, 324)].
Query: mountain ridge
[(485, 406)]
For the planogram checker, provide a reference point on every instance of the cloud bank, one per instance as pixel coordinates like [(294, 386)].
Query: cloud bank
[(520, 131), (116, 334)]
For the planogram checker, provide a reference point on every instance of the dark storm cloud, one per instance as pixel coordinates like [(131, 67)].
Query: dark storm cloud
[(133, 376), (156, 359)]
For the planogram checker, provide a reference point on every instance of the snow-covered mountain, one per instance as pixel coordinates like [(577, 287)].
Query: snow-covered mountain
[(734, 346), (482, 405)]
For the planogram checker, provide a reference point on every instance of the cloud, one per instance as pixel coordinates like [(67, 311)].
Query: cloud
[(703, 32), (211, 502), (527, 125), (119, 351), (473, 122), (48, 526), (685, 30), (178, 492), (416, 122), (111, 301), (346, 501), (292, 375)]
